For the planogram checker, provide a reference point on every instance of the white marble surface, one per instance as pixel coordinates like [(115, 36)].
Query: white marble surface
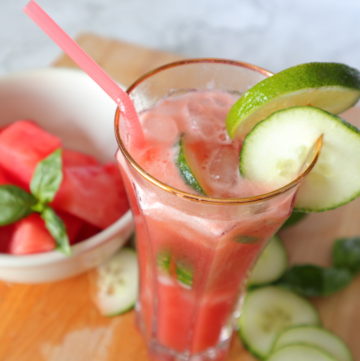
[(271, 33)]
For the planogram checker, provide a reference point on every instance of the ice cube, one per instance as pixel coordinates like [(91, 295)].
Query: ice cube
[(222, 170), (159, 127), (206, 116)]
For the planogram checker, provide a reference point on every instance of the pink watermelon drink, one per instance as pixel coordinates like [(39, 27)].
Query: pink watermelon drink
[(195, 246)]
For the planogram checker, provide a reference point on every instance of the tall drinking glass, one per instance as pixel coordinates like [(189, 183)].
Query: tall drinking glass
[(194, 252)]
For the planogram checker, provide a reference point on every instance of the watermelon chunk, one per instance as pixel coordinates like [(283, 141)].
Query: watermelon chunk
[(22, 145), (87, 231), (92, 193), (73, 225), (3, 178), (5, 237), (73, 158), (31, 236), (2, 128)]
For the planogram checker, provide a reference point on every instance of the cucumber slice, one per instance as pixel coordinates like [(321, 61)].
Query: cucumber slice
[(184, 163), (315, 336), (330, 86), (300, 352), (117, 283), (267, 311), (275, 150), (271, 264)]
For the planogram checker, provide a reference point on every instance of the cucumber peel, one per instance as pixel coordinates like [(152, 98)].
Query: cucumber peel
[(117, 283), (271, 264), (266, 312), (301, 352), (315, 336), (183, 163)]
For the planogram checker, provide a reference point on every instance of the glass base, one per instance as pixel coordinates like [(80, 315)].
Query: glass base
[(158, 352)]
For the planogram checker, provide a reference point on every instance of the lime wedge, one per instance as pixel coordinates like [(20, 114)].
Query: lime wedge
[(333, 87)]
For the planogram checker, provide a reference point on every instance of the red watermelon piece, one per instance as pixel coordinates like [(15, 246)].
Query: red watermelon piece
[(73, 225), (5, 237), (3, 178), (31, 236), (73, 158), (22, 145), (87, 231), (2, 128), (92, 193)]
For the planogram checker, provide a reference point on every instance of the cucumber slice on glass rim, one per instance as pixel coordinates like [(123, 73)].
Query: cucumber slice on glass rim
[(271, 264), (274, 151), (117, 283), (301, 352), (333, 87), (315, 336), (267, 311)]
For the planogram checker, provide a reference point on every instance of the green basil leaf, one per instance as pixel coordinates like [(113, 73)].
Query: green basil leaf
[(314, 281), (346, 254), (47, 177), (57, 229), (15, 203), (294, 218)]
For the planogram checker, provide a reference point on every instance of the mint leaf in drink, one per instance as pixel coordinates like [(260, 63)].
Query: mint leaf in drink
[(346, 254), (163, 260), (294, 218), (57, 229), (15, 204), (313, 281), (184, 274), (47, 177)]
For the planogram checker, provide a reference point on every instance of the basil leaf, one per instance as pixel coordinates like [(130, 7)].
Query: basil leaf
[(15, 203), (346, 254), (314, 281), (294, 218), (57, 229), (47, 177)]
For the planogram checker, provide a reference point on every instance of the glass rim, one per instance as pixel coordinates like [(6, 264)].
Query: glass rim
[(195, 197)]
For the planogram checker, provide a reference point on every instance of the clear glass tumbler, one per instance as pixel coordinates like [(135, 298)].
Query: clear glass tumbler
[(194, 252)]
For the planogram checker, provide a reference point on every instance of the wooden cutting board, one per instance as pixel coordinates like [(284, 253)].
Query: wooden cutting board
[(58, 321)]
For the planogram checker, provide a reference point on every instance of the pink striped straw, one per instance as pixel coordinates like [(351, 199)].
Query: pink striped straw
[(88, 65)]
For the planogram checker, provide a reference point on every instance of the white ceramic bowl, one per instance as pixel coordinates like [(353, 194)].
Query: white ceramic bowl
[(69, 104)]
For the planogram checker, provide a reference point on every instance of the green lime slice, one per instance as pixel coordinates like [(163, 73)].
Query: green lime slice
[(333, 87)]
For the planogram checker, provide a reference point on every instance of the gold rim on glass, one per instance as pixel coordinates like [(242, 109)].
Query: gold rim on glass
[(204, 199)]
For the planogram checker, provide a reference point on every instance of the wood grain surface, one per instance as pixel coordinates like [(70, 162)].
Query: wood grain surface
[(58, 321)]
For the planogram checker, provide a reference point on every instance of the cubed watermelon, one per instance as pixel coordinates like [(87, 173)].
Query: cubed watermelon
[(73, 158), (5, 237), (3, 178), (31, 236), (22, 145), (87, 231), (73, 225), (93, 193)]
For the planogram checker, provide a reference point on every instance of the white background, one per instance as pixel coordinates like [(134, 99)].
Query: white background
[(270, 33)]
